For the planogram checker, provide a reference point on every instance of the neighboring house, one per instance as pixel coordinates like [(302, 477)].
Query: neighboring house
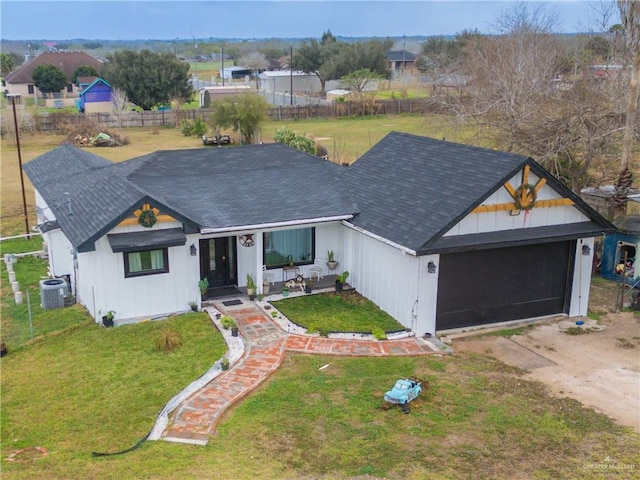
[(402, 62), (97, 97), (21, 81), (439, 235)]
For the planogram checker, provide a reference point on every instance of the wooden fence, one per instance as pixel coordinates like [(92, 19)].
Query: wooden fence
[(162, 118)]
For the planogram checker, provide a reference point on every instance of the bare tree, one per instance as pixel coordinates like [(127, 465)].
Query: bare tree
[(630, 15), (256, 62), (518, 93), (119, 100)]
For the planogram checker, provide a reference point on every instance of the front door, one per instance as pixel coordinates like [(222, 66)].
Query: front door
[(218, 261)]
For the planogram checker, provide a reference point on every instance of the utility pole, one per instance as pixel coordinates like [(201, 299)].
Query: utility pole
[(291, 74), (24, 198), (222, 63)]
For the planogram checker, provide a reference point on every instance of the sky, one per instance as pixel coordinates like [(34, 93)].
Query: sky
[(170, 20)]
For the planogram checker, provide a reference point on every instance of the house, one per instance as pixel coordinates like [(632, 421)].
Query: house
[(21, 81), (402, 62), (96, 97), (439, 235)]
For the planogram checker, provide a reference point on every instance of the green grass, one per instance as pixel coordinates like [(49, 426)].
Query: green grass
[(96, 389), (17, 328), (337, 312)]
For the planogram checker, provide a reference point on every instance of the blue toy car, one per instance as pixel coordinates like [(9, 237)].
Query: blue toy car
[(403, 392)]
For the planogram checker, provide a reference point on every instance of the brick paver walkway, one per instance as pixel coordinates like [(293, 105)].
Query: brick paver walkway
[(195, 419)]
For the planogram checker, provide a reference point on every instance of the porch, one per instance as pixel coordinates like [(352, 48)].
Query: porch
[(328, 281)]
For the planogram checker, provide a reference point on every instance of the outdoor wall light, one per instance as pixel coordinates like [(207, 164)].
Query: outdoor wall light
[(586, 251), (193, 250), (431, 267)]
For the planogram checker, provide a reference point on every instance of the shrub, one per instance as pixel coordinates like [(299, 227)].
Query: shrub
[(168, 340), (227, 322), (186, 127), (199, 127), (378, 333)]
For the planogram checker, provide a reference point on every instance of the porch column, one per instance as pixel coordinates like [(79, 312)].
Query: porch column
[(259, 259)]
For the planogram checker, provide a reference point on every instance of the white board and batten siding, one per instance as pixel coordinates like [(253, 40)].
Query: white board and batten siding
[(146, 296), (503, 220), (537, 217), (393, 278)]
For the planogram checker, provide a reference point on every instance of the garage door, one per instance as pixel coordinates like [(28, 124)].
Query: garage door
[(501, 284)]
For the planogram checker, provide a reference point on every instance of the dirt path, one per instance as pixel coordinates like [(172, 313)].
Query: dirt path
[(601, 369)]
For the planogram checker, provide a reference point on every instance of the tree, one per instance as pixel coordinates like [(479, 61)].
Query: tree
[(630, 15), (357, 82), (6, 64), (522, 104), (48, 78), (288, 137), (84, 71), (242, 113), (318, 58), (149, 79), (370, 55), (256, 62)]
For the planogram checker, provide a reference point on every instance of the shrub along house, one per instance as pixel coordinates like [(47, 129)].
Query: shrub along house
[(439, 235)]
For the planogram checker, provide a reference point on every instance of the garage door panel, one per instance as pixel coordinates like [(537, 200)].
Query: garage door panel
[(496, 285)]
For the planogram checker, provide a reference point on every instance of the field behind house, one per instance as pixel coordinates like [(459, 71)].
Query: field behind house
[(346, 139)]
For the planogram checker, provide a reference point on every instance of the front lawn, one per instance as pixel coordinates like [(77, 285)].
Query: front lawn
[(337, 312), (96, 389)]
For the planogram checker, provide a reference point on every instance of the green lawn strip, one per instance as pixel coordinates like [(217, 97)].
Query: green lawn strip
[(16, 328), (97, 389), (337, 312)]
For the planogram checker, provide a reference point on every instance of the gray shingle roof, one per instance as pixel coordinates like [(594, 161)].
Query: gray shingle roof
[(209, 187), (407, 189), (412, 189)]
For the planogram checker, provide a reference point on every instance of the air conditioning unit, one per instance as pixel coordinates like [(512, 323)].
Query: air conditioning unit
[(52, 293)]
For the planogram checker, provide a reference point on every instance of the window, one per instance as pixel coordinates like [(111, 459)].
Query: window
[(30, 89), (284, 246), (69, 87), (146, 262)]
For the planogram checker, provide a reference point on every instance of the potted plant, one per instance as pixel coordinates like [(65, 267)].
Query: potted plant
[(285, 291), (251, 287), (224, 363), (194, 306), (290, 258), (340, 280), (203, 285), (331, 261), (227, 322), (107, 319), (308, 286)]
